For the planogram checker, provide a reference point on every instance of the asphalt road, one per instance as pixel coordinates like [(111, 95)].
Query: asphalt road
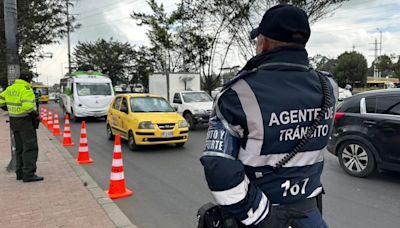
[(169, 185)]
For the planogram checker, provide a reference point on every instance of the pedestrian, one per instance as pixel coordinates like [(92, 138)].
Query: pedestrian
[(38, 95), (19, 100), (269, 129)]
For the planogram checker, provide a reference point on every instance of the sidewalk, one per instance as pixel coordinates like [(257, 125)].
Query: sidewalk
[(61, 200)]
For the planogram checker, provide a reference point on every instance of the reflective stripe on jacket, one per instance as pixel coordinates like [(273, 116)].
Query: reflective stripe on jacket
[(19, 98)]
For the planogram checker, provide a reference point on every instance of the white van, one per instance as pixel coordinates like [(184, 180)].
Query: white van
[(86, 94)]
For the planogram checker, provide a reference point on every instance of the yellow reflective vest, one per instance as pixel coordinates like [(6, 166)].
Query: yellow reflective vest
[(19, 98)]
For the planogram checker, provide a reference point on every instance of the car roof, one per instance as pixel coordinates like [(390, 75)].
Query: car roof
[(378, 92), (129, 95)]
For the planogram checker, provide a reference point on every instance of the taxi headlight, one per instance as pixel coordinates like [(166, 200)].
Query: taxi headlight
[(146, 125), (183, 124)]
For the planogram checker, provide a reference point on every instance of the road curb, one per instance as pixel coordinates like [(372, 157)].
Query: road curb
[(112, 210)]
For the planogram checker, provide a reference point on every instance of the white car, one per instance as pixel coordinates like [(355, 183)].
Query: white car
[(344, 93), (215, 92)]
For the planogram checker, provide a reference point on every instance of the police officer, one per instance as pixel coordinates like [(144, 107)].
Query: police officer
[(19, 100), (263, 159)]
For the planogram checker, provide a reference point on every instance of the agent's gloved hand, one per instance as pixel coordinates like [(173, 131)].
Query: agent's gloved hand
[(35, 119), (281, 217)]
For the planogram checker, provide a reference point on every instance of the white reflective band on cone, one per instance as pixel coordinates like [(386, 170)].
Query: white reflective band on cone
[(117, 176), (83, 140), (83, 131), (117, 148), (117, 162), (83, 149), (67, 135)]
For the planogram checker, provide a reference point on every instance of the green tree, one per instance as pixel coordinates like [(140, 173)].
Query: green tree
[(384, 65), (351, 69), (323, 63), (142, 66), (396, 68), (315, 9), (111, 57), (40, 23), (160, 34)]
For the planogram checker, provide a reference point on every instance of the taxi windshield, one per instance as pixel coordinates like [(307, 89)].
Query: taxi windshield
[(150, 104), (42, 90), (196, 97)]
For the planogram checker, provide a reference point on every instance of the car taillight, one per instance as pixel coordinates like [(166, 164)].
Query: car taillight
[(338, 116)]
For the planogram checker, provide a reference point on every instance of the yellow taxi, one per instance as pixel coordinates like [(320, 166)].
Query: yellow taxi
[(145, 119)]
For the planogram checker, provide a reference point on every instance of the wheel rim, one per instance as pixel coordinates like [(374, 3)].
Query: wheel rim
[(355, 158)]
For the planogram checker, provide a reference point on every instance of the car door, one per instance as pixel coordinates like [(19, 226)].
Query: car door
[(388, 127), (124, 117), (115, 122), (177, 103)]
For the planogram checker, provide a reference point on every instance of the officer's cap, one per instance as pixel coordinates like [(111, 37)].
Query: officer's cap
[(285, 23), (26, 75)]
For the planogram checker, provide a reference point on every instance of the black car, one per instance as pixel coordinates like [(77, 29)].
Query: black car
[(366, 133)]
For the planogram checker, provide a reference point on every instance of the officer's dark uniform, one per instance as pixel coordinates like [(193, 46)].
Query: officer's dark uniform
[(19, 100), (258, 119)]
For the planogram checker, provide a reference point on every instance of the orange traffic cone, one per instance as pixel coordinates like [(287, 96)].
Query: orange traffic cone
[(50, 121), (83, 151), (67, 140), (117, 188), (56, 125), (44, 119)]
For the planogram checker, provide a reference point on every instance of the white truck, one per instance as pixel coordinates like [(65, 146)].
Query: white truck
[(185, 96), (86, 94)]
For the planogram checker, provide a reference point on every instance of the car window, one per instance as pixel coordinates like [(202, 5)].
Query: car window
[(150, 104), (124, 104), (350, 106), (395, 110), (196, 97), (117, 103), (177, 98), (371, 104), (387, 105)]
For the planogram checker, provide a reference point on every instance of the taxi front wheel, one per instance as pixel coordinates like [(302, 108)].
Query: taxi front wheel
[(131, 142), (110, 135)]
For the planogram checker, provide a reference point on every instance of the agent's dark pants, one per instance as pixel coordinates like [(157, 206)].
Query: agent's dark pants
[(26, 152), (314, 220)]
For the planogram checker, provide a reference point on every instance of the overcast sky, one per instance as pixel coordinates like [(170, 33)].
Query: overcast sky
[(355, 25)]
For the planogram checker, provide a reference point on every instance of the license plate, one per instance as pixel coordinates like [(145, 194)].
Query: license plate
[(168, 134)]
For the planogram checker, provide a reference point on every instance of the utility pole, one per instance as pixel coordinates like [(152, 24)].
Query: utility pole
[(69, 40), (10, 25), (13, 68), (380, 49), (375, 58), (354, 48)]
